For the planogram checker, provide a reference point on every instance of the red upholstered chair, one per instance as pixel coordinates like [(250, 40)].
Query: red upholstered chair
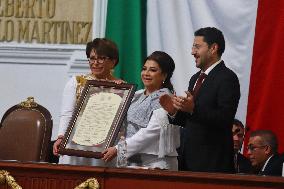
[(25, 132)]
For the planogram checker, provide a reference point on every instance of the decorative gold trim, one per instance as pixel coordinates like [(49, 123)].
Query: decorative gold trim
[(81, 81), (5, 177), (29, 103), (91, 183)]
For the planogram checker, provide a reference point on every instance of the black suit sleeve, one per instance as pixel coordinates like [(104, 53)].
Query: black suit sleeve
[(223, 112)]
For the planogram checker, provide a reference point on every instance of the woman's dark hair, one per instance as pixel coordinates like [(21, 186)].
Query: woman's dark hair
[(103, 47), (167, 65)]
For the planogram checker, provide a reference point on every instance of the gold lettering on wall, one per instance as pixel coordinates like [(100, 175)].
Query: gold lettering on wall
[(23, 31), (46, 21)]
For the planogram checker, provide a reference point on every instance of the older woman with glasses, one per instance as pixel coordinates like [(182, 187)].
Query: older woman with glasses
[(103, 56)]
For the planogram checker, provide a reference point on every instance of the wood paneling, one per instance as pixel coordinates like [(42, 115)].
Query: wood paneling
[(49, 176)]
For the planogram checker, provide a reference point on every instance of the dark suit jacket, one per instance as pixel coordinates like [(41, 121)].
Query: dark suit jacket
[(207, 141), (243, 164), (274, 166)]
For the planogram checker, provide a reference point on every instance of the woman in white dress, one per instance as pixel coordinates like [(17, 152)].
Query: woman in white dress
[(103, 56), (151, 140)]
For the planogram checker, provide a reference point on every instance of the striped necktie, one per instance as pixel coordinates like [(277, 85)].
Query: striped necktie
[(198, 84)]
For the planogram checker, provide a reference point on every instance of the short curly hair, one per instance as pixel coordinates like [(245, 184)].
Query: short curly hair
[(103, 47)]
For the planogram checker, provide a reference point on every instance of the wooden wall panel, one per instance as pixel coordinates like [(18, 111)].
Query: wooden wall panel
[(49, 176)]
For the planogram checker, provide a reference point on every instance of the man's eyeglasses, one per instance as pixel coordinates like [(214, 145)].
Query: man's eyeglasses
[(197, 46), (99, 59), (252, 148)]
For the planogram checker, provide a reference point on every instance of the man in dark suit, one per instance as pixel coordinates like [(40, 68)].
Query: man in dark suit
[(263, 154), (242, 164), (208, 110)]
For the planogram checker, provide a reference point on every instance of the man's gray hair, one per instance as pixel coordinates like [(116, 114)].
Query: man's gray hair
[(268, 138)]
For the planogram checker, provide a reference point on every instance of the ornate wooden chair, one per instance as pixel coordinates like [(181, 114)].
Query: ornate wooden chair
[(25, 132)]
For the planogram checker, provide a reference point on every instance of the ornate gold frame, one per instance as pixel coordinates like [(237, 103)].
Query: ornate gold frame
[(5, 177), (91, 183), (92, 88)]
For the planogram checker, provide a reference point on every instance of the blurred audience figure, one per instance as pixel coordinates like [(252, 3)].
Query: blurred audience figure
[(242, 164), (263, 153)]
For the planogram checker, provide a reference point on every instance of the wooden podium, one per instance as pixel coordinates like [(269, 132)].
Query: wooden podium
[(50, 176)]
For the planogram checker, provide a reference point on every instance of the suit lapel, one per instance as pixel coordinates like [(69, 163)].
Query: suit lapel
[(208, 78)]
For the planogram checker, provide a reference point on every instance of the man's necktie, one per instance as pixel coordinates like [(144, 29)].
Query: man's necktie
[(198, 84), (236, 163)]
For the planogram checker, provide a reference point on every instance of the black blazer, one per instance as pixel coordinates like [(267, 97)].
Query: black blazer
[(207, 142), (274, 166), (243, 164)]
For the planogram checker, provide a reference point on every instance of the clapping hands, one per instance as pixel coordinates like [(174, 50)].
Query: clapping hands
[(174, 103)]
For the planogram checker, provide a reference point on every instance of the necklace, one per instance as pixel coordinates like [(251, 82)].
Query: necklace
[(90, 76)]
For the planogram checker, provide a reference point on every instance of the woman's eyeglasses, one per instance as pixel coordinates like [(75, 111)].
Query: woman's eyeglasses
[(99, 59)]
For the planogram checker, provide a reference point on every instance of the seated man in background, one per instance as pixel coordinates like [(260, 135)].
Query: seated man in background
[(242, 164), (263, 154)]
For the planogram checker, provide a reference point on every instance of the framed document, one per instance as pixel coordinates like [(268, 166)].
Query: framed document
[(97, 118)]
